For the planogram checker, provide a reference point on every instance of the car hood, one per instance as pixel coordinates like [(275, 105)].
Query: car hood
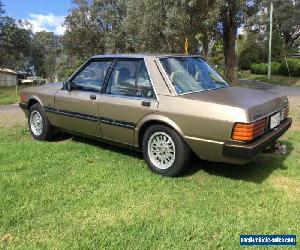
[(55, 85), (256, 103), (51, 87)]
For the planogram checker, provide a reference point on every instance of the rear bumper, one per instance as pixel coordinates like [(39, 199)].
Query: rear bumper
[(249, 150)]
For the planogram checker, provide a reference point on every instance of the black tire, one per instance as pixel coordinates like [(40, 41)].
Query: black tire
[(182, 151), (47, 129)]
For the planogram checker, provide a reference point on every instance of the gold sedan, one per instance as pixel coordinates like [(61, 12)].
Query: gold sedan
[(163, 105)]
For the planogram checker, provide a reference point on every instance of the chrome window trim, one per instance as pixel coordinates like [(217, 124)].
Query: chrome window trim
[(165, 76), (129, 97), (204, 140), (198, 91), (191, 92), (178, 56)]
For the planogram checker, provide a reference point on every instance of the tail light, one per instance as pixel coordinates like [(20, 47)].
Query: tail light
[(285, 112), (248, 131)]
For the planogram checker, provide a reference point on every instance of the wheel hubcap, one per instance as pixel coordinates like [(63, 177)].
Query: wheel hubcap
[(161, 150), (36, 123)]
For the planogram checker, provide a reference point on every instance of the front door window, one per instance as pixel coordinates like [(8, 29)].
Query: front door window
[(91, 78)]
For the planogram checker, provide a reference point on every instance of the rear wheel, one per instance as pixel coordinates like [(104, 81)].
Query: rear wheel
[(164, 151), (39, 125)]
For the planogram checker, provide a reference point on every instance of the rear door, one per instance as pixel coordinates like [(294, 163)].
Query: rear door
[(126, 99), (78, 109)]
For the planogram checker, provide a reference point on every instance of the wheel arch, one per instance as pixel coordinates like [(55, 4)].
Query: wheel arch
[(33, 100), (154, 120)]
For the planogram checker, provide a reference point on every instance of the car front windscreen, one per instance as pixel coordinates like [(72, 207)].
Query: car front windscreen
[(191, 74)]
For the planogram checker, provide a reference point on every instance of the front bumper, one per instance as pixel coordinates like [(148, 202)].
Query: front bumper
[(249, 150)]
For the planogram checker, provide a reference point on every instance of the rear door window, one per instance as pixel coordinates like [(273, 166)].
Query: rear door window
[(130, 78)]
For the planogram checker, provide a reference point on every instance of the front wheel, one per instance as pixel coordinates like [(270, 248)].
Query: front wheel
[(39, 125), (164, 151)]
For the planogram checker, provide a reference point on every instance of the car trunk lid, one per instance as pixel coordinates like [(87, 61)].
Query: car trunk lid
[(256, 103)]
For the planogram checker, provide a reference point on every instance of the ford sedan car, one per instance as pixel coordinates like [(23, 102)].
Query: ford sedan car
[(166, 106)]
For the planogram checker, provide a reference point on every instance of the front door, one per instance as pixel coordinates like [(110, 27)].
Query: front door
[(77, 109), (127, 98)]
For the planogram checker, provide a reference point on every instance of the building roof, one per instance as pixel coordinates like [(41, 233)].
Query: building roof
[(10, 71)]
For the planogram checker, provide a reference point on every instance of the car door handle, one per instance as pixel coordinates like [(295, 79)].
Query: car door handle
[(93, 97), (146, 104)]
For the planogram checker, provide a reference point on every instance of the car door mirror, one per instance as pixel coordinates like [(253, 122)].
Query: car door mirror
[(67, 86)]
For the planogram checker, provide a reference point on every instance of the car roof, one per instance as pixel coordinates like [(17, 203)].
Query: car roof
[(143, 55)]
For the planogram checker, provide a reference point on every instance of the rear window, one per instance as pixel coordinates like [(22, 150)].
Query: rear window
[(191, 74)]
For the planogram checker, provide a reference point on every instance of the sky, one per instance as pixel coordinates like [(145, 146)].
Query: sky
[(42, 14), (45, 15)]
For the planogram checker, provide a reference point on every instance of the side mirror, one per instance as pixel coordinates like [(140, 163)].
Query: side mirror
[(67, 86)]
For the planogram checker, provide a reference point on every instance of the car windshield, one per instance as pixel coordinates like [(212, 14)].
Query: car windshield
[(191, 74)]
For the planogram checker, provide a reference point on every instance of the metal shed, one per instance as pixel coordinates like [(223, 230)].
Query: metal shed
[(8, 77)]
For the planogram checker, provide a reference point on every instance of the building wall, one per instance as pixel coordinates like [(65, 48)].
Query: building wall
[(8, 79)]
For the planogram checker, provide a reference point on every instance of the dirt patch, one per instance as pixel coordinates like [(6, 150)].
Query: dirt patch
[(289, 186), (5, 238), (294, 101)]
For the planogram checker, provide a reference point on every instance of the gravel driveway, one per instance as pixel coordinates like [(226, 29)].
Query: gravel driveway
[(289, 91), (9, 107), (11, 115)]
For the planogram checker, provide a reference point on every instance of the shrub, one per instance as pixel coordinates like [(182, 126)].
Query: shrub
[(275, 68), (248, 57), (262, 68), (259, 68), (217, 62), (294, 66)]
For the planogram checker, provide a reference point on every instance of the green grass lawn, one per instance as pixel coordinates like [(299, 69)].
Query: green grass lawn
[(8, 94), (278, 80), (79, 194)]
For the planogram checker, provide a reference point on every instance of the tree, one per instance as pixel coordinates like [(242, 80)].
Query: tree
[(192, 19), (110, 15), (144, 26), (208, 32), (20, 49), (45, 50), (287, 20), (232, 16), (162, 26), (2, 11), (15, 44), (247, 55), (286, 33), (15, 41), (84, 36)]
